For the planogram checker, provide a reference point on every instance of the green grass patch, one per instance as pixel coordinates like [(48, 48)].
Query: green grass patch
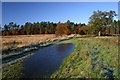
[(12, 71), (92, 58)]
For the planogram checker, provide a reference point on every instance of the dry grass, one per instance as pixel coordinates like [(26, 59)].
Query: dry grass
[(25, 40)]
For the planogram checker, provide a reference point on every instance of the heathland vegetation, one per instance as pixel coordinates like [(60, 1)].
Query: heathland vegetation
[(93, 56)]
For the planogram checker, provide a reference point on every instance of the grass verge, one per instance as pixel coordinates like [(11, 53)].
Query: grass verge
[(92, 58), (12, 71)]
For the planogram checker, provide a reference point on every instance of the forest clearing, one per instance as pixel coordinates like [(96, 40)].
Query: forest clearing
[(41, 40)]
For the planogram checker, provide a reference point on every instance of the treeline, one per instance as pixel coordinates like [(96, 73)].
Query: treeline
[(44, 28), (104, 22), (29, 28), (99, 22)]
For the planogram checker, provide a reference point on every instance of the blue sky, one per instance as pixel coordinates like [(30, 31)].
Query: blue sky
[(78, 12), (60, 0)]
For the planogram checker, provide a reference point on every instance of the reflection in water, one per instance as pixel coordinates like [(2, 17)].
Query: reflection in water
[(46, 60), (62, 47)]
